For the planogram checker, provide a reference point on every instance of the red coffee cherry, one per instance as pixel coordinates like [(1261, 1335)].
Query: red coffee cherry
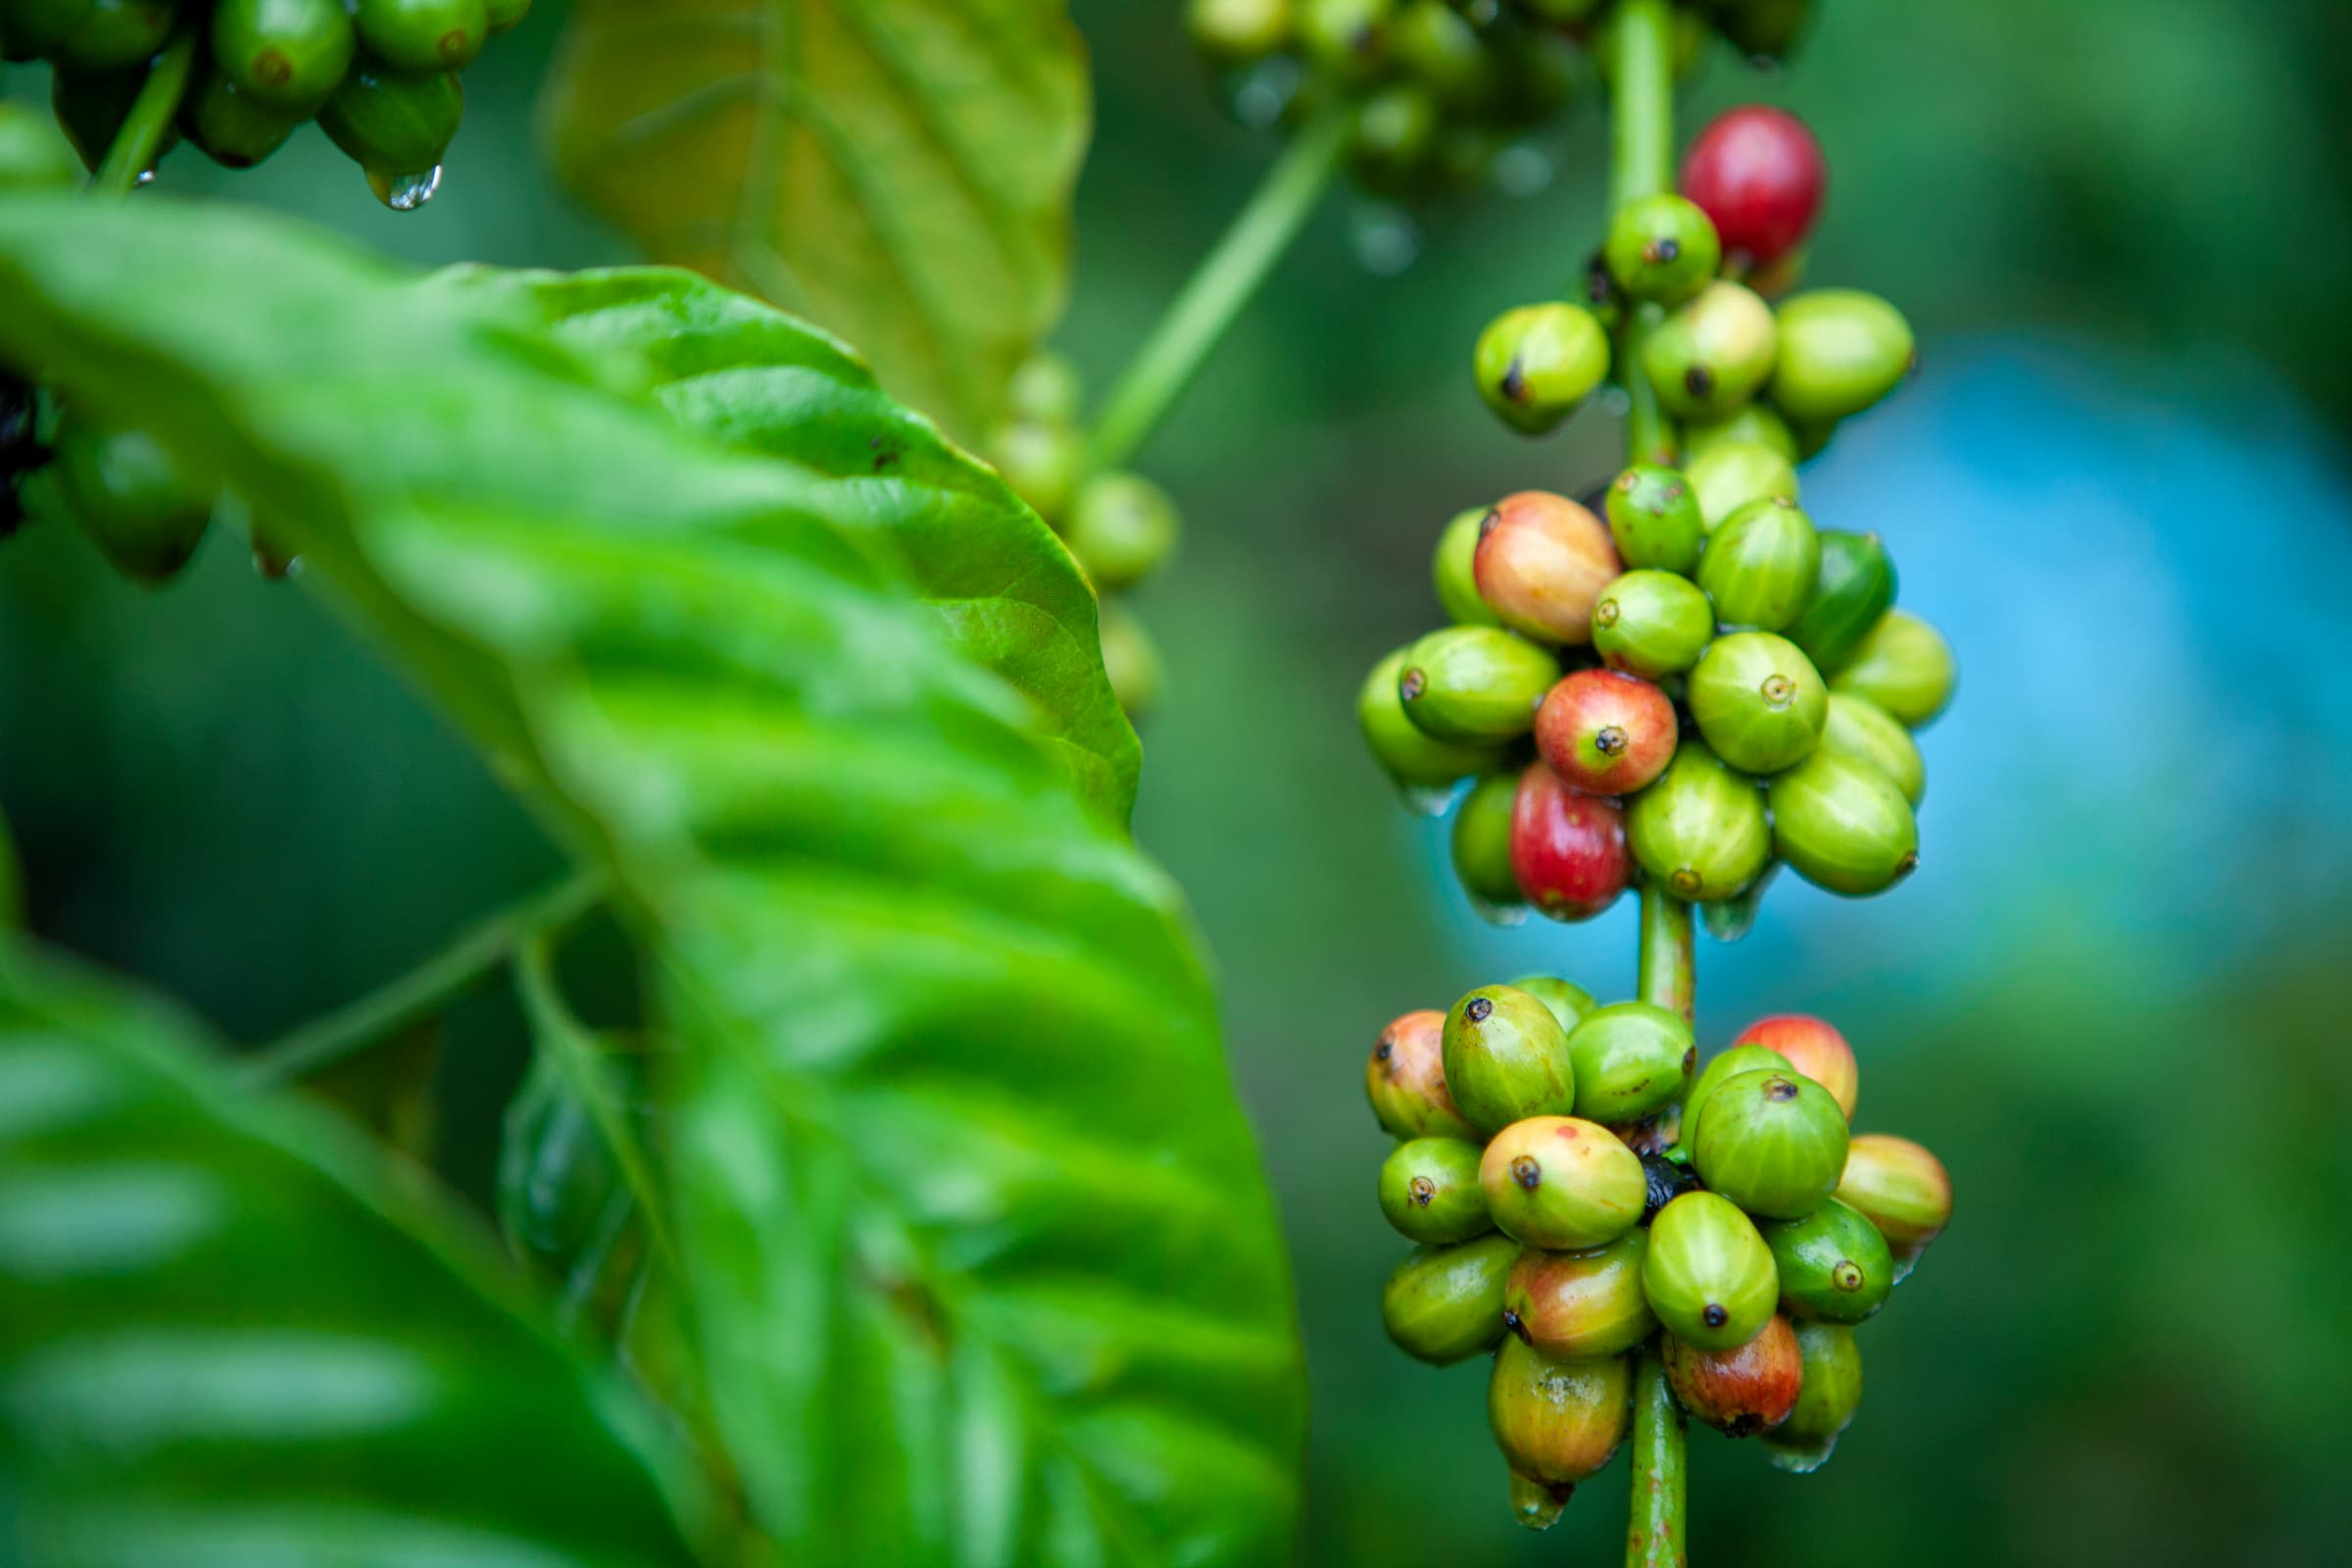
[(1567, 850), (1758, 172), (1605, 733)]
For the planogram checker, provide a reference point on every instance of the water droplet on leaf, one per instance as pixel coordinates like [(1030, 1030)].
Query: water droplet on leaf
[(1505, 914), (1423, 799), (1800, 1458), (405, 193)]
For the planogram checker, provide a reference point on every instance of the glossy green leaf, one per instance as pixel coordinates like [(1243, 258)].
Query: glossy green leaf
[(226, 1339), (979, 1257), (897, 170), (751, 377)]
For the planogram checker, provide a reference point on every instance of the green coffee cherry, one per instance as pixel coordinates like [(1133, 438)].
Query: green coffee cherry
[(129, 497), (1405, 1078), (1754, 422), (1571, 1304), (1478, 685), (1444, 1303), (1347, 38), (1853, 589), (1652, 625), (1415, 760), (91, 107), (1829, 1394), (1714, 354), (422, 36), (1395, 132), (1729, 1063), (1454, 572), (32, 29), (1542, 560), (1506, 1057), (1901, 1188), (1761, 564), (1654, 517), (35, 153), (1046, 388), (1562, 1183), (1833, 1264), (1861, 729), (1708, 1276), (1121, 527), (1632, 1060), (1131, 661), (1662, 247), (1748, 1389), (1481, 841), (394, 127), (1702, 828), (507, 14), (1733, 473), (1557, 1422), (1758, 701), (1439, 48), (1841, 351), (288, 54), (231, 127), (116, 35), (1904, 665), (1568, 1003), (1233, 31), (1040, 462), (1537, 364), (1843, 824), (1766, 31), (1771, 1142), (1429, 1191)]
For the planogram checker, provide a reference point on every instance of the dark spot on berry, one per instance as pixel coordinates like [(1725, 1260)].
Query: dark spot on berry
[(1422, 1190), (1605, 613), (1385, 1049), (1698, 380), (1747, 1424), (1487, 523), (1665, 247), (1514, 383), (1412, 684), (1714, 1316), (1610, 741), (1909, 866), (1686, 881), (1780, 1089), (453, 43), (1479, 1009), (1847, 1275), (1528, 1172), (273, 67), (1690, 1059), (1511, 1321)]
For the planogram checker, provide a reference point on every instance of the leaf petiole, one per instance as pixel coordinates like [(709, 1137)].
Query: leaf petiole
[(141, 136)]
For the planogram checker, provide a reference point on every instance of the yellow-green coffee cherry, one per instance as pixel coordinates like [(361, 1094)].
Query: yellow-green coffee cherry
[(1131, 661), (1568, 1001), (1761, 564), (1236, 31), (1758, 701), (1901, 1188), (1405, 1078), (1702, 828), (1733, 474), (1841, 350), (1748, 1389), (1562, 1183), (1861, 729), (1481, 841), (1654, 517), (1833, 1264), (1476, 685), (1040, 462), (1121, 527), (1454, 572), (1652, 625), (1506, 1057), (1729, 1063), (1429, 1191), (129, 497), (1827, 1398), (1411, 757), (1709, 1276), (1774, 1142), (1047, 388), (1714, 354), (1853, 589), (1753, 422), (1575, 1304), (1904, 665), (1633, 1059), (1535, 365), (1662, 247), (1557, 1422), (1843, 824), (1349, 39), (1444, 1303)]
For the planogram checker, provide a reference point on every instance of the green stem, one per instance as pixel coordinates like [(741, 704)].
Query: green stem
[(1669, 970), (135, 145), (1220, 287), (1642, 102), (428, 990), (1653, 1534)]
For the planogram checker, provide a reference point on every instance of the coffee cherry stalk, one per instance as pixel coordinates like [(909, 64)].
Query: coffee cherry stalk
[(1679, 685)]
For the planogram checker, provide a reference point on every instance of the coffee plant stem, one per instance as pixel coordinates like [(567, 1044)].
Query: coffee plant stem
[(428, 990), (1220, 287), (133, 151), (1668, 970), (1654, 1535)]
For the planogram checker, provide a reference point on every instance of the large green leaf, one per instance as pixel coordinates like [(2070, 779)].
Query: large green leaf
[(981, 1262), (754, 377), (899, 169), (226, 1340)]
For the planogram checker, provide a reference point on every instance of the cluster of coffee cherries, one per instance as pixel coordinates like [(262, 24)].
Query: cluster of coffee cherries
[(1119, 524), (1703, 686), (380, 76), (1579, 1198)]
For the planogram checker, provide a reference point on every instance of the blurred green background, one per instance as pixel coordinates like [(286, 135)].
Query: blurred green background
[(2115, 998)]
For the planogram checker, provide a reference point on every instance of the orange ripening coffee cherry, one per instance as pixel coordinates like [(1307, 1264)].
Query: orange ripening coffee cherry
[(1406, 1079), (1568, 851), (1605, 733), (1814, 1049), (1744, 1390), (1541, 564)]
